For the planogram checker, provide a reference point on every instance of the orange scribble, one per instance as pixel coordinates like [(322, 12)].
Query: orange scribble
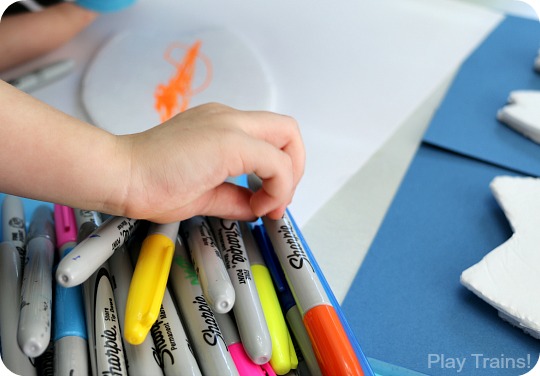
[(174, 96)]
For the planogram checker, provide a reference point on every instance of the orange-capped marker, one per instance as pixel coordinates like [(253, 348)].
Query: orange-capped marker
[(331, 345), (334, 353), (333, 350)]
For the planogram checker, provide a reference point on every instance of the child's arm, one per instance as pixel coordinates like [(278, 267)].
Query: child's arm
[(168, 173), (29, 35)]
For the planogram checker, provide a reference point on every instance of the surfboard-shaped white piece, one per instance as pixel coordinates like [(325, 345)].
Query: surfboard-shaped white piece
[(523, 113), (122, 83), (508, 277), (537, 62)]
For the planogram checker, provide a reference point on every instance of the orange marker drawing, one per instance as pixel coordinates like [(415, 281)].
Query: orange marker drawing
[(174, 96)]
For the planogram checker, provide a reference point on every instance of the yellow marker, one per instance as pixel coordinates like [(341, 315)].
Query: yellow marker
[(149, 281), (283, 354)]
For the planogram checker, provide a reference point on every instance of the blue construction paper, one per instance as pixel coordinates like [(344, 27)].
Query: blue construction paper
[(466, 120), (406, 302)]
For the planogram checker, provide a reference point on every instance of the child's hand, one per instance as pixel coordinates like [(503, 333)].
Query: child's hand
[(178, 168)]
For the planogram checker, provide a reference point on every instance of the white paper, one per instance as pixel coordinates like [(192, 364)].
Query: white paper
[(349, 71)]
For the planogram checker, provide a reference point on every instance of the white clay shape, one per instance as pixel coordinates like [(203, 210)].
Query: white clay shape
[(523, 113), (508, 277), (537, 62)]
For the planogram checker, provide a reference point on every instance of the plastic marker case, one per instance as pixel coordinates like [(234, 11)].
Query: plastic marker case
[(30, 205)]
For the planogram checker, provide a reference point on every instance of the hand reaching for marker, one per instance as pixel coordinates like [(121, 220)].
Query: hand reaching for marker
[(178, 169)]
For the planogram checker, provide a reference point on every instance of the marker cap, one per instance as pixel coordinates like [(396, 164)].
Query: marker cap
[(147, 287), (65, 225), (42, 224), (330, 343), (245, 365)]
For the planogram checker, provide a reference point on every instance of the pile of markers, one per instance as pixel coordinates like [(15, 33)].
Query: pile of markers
[(206, 296)]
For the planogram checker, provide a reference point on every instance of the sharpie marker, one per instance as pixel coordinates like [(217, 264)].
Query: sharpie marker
[(70, 341), (172, 349), (93, 251), (43, 76), (210, 348), (141, 359), (45, 362), (34, 332), (244, 364), (172, 346), (14, 225), (283, 354), (107, 350), (333, 349), (215, 281), (149, 281), (10, 280), (288, 304), (247, 308), (87, 221), (350, 334)]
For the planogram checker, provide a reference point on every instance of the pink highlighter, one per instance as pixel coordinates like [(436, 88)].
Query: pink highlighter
[(244, 365)]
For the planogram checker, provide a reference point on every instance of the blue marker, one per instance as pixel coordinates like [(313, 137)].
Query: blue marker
[(70, 340)]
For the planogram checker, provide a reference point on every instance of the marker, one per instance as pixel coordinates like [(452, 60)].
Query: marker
[(149, 281), (283, 354), (10, 296), (106, 350), (34, 332), (43, 76), (215, 282), (244, 364), (350, 334), (87, 221), (14, 225), (171, 343), (93, 251), (141, 360), (288, 304), (70, 341), (210, 348), (45, 362), (331, 345), (247, 307), (172, 350)]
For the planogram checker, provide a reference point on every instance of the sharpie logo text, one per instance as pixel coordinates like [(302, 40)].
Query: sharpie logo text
[(230, 239), (211, 334), (112, 351), (163, 349), (297, 258)]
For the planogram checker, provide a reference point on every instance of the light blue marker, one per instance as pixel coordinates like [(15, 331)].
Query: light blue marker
[(69, 336)]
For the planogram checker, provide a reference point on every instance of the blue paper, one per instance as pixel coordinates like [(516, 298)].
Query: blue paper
[(466, 122), (407, 303)]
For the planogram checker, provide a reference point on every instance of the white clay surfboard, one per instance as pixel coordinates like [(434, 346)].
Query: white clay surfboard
[(522, 113), (139, 79), (508, 277)]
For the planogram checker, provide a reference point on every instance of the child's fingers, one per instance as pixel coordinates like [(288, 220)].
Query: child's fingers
[(224, 201), (227, 201), (279, 130), (269, 163)]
